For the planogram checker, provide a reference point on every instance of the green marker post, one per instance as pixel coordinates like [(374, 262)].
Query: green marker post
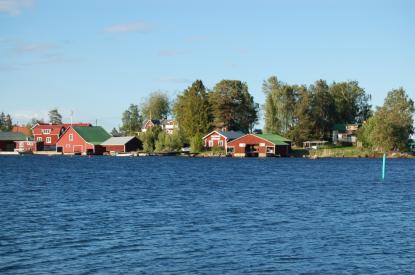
[(384, 166)]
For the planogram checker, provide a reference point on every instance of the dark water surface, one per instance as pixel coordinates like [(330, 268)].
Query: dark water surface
[(73, 215)]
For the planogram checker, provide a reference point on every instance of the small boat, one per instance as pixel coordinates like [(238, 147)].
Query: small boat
[(124, 155)]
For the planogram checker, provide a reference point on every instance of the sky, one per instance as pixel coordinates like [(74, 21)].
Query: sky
[(97, 57)]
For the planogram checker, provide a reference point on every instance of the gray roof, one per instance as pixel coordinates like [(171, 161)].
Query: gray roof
[(231, 134), (12, 136), (117, 140)]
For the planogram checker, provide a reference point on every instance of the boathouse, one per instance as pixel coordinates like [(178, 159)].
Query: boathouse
[(259, 145), (82, 140), (122, 144), (8, 140), (220, 138)]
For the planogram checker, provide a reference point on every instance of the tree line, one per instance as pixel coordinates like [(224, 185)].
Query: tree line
[(197, 110), (6, 123), (299, 112)]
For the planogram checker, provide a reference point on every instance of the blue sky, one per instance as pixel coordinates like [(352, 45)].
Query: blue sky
[(96, 57)]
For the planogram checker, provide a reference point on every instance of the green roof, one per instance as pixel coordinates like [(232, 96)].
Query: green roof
[(92, 134), (274, 138), (341, 127), (12, 136)]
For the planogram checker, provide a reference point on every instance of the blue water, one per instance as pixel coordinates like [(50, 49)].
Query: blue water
[(73, 215)]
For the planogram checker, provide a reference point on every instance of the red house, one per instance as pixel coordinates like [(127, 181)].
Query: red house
[(82, 140), (49, 133), (259, 145), (220, 138)]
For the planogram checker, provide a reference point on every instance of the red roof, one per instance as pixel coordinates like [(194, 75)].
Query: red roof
[(21, 129), (55, 129)]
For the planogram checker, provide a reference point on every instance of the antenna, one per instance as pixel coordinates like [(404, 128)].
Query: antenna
[(71, 117)]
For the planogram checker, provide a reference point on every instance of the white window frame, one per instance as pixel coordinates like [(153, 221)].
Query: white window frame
[(210, 143), (39, 139), (220, 142), (46, 131), (70, 137), (48, 140)]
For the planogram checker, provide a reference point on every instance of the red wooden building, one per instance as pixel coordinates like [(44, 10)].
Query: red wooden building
[(49, 133), (220, 138), (122, 144), (82, 140), (259, 145)]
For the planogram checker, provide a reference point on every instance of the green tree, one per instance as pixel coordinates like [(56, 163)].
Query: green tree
[(392, 124), (115, 132), (2, 120), (233, 107), (54, 116), (6, 123), (196, 143), (192, 110), (323, 109), (279, 106), (351, 102), (303, 127), (168, 142), (149, 138), (132, 121), (156, 106)]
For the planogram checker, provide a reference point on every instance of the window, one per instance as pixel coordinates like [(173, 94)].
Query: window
[(46, 131), (220, 142), (70, 137), (39, 139), (48, 140), (210, 143)]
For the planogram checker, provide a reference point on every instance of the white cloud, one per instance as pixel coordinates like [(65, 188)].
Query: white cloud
[(138, 26), (14, 7)]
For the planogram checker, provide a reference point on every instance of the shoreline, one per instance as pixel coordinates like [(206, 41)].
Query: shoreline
[(312, 155)]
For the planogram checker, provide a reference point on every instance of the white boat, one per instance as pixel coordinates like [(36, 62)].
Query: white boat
[(124, 155)]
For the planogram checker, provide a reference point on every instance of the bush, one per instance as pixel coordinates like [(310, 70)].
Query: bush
[(196, 144)]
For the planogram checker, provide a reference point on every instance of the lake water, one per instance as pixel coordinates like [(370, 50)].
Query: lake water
[(72, 215)]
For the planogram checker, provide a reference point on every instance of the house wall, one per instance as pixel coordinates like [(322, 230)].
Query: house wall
[(78, 145), (26, 146), (114, 148), (54, 135), (213, 140)]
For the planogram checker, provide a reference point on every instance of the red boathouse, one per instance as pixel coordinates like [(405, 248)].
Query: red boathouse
[(259, 145), (82, 140)]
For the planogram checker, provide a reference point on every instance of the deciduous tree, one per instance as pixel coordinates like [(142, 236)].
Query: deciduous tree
[(132, 121), (156, 106), (233, 107)]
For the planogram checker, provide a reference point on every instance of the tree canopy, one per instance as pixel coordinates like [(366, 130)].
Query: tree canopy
[(392, 124), (233, 107), (54, 116), (156, 106), (6, 123), (304, 113), (192, 110), (132, 120)]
